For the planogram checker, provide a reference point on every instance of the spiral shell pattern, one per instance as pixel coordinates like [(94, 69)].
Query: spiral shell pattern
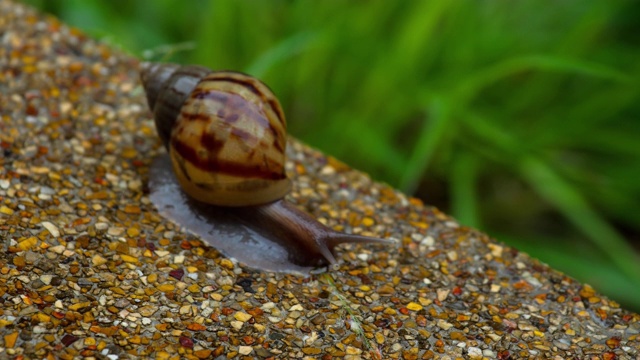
[(225, 132)]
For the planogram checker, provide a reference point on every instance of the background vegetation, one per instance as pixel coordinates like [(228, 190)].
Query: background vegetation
[(519, 118)]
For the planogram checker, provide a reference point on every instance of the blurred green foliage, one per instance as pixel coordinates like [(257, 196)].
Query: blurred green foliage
[(520, 118)]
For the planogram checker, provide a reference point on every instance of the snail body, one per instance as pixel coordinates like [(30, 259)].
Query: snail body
[(225, 133)]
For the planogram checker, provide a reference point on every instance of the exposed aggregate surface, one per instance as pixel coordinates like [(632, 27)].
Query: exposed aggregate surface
[(89, 269)]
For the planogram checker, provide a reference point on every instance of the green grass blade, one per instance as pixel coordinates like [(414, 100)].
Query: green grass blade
[(474, 84), (436, 124), (464, 198), (285, 49), (573, 206)]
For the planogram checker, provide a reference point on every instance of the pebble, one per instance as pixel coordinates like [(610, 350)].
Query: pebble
[(115, 231), (442, 294), (10, 339), (6, 210), (178, 259), (101, 226), (53, 230), (351, 350), (28, 243), (129, 258), (489, 353), (166, 287), (474, 352), (58, 249), (242, 316), (98, 260), (203, 354), (444, 325)]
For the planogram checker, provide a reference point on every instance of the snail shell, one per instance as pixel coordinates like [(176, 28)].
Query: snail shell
[(225, 133)]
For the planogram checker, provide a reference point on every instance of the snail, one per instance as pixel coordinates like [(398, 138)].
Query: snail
[(225, 134)]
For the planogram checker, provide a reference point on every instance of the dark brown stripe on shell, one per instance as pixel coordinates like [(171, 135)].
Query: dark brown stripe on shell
[(277, 145), (208, 94), (184, 170), (215, 165), (209, 142), (194, 117), (246, 83), (278, 110), (246, 136), (249, 84), (237, 103)]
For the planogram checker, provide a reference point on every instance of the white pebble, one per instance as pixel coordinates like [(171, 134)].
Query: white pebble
[(428, 241), (444, 325), (488, 353), (296, 307), (101, 226), (474, 352), (245, 350), (115, 231), (46, 279), (58, 249), (53, 230), (193, 276)]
